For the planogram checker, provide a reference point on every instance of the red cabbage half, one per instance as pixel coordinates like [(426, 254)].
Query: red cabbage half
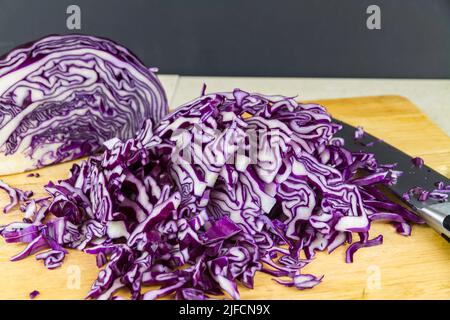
[(227, 185), (61, 97)]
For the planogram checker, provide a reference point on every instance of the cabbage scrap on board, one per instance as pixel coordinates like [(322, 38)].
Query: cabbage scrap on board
[(61, 97), (227, 185)]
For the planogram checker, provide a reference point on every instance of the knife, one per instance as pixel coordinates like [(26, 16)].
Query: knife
[(436, 214)]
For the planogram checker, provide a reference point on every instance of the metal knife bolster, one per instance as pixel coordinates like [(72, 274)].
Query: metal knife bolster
[(437, 215)]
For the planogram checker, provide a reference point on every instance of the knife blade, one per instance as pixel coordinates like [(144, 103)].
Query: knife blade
[(435, 213)]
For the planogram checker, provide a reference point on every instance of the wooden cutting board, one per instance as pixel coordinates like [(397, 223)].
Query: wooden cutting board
[(416, 267)]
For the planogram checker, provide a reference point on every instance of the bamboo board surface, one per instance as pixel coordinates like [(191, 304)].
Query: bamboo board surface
[(416, 267)]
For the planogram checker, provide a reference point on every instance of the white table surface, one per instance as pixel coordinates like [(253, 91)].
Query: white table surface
[(169, 82), (431, 96)]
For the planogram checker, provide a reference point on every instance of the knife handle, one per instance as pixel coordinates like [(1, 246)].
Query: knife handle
[(437, 216), (446, 226)]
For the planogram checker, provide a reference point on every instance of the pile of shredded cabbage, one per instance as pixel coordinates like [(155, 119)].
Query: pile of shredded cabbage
[(227, 185)]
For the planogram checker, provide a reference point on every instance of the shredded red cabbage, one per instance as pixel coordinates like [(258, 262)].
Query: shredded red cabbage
[(418, 162), (15, 195), (33, 294), (441, 193), (225, 186), (359, 133)]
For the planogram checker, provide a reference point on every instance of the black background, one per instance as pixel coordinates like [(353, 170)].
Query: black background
[(255, 38)]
